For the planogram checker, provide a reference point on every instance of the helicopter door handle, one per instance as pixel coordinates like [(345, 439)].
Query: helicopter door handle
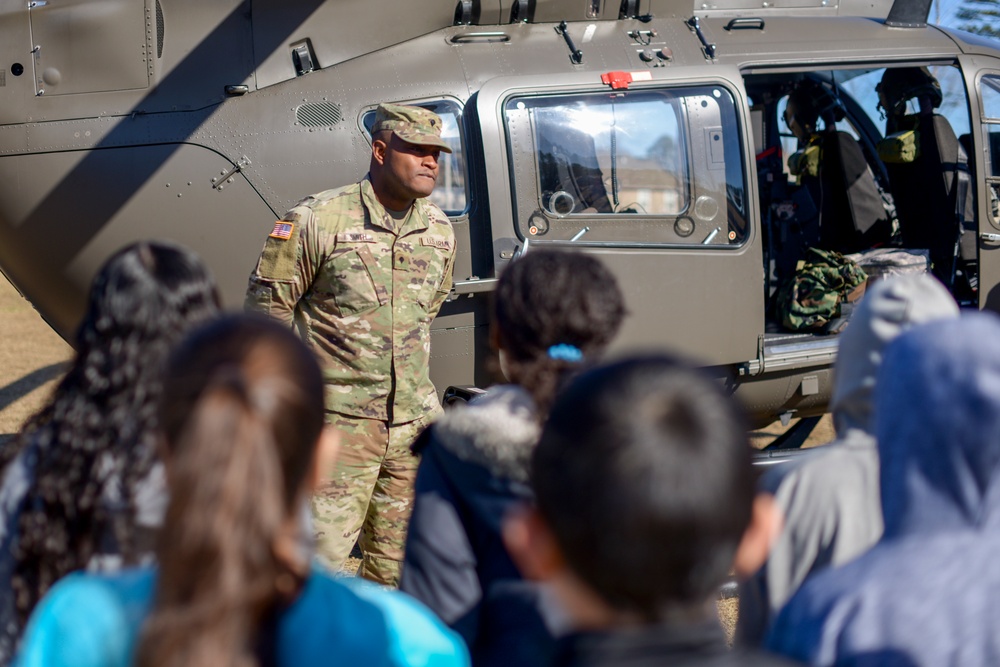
[(485, 37), (470, 287), (745, 24), (989, 238)]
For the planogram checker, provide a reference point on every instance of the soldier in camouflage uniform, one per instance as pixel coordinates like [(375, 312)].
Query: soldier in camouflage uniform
[(360, 272)]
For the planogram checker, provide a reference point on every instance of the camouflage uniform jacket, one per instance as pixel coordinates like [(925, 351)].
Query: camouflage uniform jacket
[(362, 289)]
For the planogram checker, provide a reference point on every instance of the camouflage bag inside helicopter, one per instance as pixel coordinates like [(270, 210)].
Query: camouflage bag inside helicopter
[(814, 298)]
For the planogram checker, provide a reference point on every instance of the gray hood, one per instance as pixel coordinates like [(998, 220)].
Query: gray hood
[(925, 594), (938, 428), (497, 431), (890, 307)]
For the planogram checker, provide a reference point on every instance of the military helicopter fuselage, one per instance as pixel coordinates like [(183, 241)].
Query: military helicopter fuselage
[(646, 132)]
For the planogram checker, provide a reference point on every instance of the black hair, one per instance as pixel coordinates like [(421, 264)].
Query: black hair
[(546, 299), (643, 474), (97, 432)]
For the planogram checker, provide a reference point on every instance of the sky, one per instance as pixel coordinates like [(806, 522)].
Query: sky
[(943, 12)]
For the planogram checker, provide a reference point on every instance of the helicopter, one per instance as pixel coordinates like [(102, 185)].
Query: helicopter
[(653, 134)]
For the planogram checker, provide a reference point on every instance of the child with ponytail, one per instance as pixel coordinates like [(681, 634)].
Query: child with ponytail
[(242, 424), (554, 312)]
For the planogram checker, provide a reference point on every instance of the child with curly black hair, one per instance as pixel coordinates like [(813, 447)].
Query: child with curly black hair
[(81, 487), (554, 312)]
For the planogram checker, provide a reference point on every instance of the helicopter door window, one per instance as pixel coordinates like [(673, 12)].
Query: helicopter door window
[(450, 194), (595, 155), (636, 167), (989, 93)]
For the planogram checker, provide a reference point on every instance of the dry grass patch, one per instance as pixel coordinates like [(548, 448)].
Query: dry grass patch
[(32, 359)]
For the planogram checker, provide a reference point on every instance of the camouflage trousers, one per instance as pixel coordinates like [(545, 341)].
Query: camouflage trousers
[(369, 495)]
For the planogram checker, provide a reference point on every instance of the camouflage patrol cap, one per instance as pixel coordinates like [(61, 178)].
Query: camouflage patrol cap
[(414, 125)]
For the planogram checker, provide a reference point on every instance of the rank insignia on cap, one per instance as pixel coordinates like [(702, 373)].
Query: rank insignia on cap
[(282, 230)]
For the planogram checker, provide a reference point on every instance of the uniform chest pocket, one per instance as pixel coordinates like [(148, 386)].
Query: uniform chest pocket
[(429, 265), (347, 284)]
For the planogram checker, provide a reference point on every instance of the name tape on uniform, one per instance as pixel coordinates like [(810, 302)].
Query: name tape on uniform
[(444, 244), (355, 237)]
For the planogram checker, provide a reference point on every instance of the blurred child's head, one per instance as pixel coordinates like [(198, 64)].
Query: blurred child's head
[(244, 387), (242, 416), (644, 489), (553, 310)]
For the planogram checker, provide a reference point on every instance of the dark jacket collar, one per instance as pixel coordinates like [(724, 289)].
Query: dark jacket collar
[(641, 646), (680, 644)]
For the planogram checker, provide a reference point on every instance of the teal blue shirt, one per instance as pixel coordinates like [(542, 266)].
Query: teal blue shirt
[(94, 621)]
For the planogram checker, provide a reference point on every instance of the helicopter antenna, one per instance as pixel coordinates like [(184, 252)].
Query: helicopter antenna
[(909, 14)]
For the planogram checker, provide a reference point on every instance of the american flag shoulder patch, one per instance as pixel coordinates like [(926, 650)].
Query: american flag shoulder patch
[(282, 230)]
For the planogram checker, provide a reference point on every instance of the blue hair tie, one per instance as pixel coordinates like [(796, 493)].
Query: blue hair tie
[(565, 352)]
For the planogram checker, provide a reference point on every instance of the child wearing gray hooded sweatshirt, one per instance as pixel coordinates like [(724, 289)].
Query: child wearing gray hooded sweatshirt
[(925, 594), (830, 501)]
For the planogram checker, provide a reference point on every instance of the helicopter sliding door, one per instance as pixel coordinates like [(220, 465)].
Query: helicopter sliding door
[(653, 182)]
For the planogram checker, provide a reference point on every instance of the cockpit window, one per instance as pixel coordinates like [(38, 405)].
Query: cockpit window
[(644, 166), (861, 87), (450, 192), (990, 92)]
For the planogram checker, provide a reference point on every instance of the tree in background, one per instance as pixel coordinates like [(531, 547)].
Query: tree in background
[(981, 17)]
